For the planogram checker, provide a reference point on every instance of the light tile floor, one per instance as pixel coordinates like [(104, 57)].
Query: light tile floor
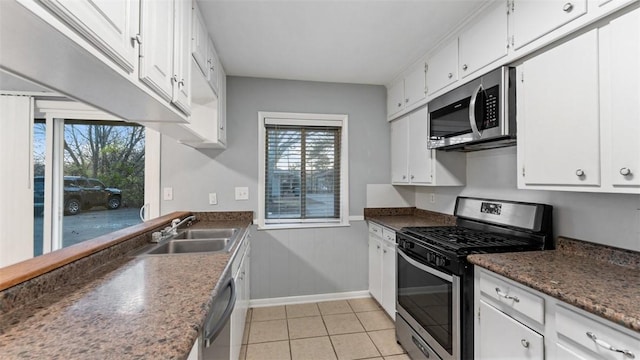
[(332, 330)]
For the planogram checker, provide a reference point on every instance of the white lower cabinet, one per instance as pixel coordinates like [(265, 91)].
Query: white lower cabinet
[(508, 324), (239, 314), (502, 337), (382, 267)]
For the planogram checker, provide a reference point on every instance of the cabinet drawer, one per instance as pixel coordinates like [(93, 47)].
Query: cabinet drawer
[(514, 298), (375, 229), (389, 235), (594, 337)]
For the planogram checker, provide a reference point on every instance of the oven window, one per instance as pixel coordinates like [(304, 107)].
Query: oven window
[(450, 121), (428, 299)]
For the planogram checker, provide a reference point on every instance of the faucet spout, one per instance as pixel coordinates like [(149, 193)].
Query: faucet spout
[(175, 224)]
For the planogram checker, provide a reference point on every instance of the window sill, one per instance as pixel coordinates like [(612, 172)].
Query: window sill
[(301, 226)]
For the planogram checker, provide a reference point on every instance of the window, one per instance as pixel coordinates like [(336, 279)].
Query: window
[(303, 170), (89, 170)]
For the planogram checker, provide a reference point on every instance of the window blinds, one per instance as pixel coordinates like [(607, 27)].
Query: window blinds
[(302, 181)]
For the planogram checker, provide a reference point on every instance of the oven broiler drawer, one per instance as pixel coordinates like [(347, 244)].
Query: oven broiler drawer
[(512, 299), (416, 348)]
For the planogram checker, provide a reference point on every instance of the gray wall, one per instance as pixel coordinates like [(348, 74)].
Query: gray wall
[(287, 262), (611, 219)]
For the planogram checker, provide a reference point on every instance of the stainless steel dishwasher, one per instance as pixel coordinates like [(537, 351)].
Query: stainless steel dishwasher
[(215, 339)]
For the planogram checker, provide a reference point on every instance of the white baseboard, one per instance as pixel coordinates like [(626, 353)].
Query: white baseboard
[(289, 300)]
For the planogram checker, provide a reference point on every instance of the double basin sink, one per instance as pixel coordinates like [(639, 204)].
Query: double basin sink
[(197, 241)]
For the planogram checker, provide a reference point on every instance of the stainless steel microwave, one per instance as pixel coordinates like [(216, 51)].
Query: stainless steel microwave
[(478, 115)]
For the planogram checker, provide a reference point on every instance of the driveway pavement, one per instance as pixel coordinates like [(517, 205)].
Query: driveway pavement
[(88, 225)]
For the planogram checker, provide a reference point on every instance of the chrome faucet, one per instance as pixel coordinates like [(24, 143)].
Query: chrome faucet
[(173, 229)]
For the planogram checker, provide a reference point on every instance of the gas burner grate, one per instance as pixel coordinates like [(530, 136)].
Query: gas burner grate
[(458, 239)]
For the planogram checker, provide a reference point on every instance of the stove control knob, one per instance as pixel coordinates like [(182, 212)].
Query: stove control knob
[(440, 261)]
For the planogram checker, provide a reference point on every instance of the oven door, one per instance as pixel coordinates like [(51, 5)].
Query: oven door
[(429, 301)]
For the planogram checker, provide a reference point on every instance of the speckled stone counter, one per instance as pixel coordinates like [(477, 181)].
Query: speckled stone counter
[(397, 218), (148, 307), (599, 279)]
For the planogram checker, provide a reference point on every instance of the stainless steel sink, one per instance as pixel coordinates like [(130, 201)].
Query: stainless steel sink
[(197, 241), (191, 246), (206, 233)]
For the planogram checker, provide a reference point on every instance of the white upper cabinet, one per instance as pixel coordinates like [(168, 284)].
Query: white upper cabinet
[(182, 56), (579, 112), (532, 19), (484, 40), (156, 48), (621, 98), (213, 66), (558, 121), (109, 25), (413, 164), (408, 92), (199, 40), (442, 67), (399, 151), (164, 55)]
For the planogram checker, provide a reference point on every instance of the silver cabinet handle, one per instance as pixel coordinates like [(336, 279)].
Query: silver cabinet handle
[(567, 7), (625, 171), (508, 297), (524, 343), (404, 177), (174, 78), (377, 246), (181, 83), (406, 100), (136, 39), (384, 251), (450, 75), (412, 177), (579, 172), (608, 346), (465, 67), (399, 104)]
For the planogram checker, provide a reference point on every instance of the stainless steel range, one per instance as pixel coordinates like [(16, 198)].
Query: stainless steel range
[(435, 282)]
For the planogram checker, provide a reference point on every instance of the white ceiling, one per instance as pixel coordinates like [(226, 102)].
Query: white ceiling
[(348, 41)]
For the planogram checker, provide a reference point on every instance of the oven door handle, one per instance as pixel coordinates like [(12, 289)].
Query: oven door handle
[(425, 268)]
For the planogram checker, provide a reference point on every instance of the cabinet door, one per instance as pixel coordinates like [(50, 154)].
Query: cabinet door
[(375, 267), (420, 160), (395, 98), (389, 279), (199, 40), (182, 56), (107, 24), (442, 68), (156, 50), (558, 128), (222, 105), (485, 41), (532, 19), (212, 63), (414, 86), (399, 150), (624, 99), (502, 337)]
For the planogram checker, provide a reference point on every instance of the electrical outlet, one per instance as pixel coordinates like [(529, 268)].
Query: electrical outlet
[(168, 193), (432, 198), (213, 199), (242, 193)]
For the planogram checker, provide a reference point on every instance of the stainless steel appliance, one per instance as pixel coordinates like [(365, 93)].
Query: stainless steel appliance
[(215, 338), (435, 282), (478, 115)]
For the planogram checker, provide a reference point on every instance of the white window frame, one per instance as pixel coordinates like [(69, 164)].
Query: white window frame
[(304, 119), (55, 112)]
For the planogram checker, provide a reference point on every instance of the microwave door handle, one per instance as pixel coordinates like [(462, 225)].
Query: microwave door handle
[(472, 111)]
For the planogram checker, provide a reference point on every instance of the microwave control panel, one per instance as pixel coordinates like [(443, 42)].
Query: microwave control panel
[(491, 108)]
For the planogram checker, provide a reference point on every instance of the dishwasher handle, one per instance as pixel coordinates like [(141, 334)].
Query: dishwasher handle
[(210, 336)]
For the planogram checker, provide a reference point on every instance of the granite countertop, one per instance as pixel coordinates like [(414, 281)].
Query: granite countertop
[(397, 218), (137, 307), (601, 280)]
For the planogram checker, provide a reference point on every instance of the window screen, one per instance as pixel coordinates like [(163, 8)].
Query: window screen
[(302, 175)]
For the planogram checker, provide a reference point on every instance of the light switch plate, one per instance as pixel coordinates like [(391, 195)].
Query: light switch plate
[(242, 193), (213, 199), (168, 193)]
